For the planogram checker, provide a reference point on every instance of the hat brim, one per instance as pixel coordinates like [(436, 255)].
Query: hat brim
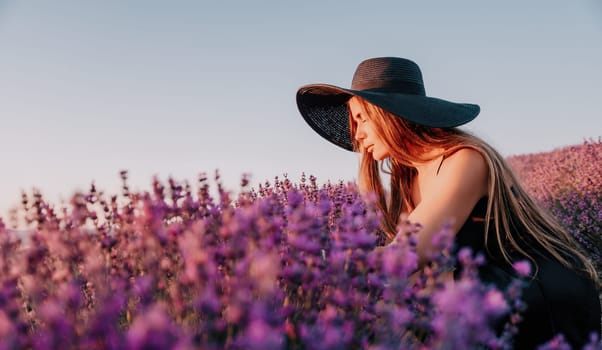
[(324, 108)]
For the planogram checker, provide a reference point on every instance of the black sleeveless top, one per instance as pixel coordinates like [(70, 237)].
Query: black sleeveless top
[(559, 299)]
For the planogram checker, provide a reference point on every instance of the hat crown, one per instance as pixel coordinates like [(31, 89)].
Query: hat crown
[(392, 74)]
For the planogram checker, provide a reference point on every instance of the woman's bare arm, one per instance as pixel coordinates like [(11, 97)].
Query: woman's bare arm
[(449, 197)]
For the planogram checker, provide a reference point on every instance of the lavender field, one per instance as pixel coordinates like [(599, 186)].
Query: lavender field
[(568, 181), (286, 265)]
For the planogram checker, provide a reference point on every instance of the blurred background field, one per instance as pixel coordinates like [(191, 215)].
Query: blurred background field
[(568, 181)]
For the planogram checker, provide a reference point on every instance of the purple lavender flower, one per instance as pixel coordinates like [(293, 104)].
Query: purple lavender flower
[(154, 330), (523, 268), (556, 343)]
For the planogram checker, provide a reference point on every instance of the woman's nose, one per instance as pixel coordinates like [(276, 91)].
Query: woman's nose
[(359, 133)]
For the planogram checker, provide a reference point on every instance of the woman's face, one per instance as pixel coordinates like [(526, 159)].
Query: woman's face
[(365, 132)]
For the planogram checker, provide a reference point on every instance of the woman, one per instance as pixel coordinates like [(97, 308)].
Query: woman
[(441, 174)]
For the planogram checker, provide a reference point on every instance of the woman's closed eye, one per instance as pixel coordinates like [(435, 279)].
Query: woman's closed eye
[(360, 119)]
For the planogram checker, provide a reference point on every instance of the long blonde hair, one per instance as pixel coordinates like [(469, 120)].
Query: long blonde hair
[(512, 209)]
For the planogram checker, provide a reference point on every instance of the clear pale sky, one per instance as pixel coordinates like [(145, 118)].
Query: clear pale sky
[(88, 88)]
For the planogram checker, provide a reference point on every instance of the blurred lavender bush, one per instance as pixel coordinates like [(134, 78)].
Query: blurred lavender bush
[(568, 182), (282, 266)]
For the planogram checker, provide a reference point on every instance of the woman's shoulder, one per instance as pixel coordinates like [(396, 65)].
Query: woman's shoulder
[(465, 167), (464, 152), (464, 159)]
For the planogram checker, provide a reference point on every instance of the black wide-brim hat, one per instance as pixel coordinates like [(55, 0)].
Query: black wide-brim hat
[(391, 83)]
